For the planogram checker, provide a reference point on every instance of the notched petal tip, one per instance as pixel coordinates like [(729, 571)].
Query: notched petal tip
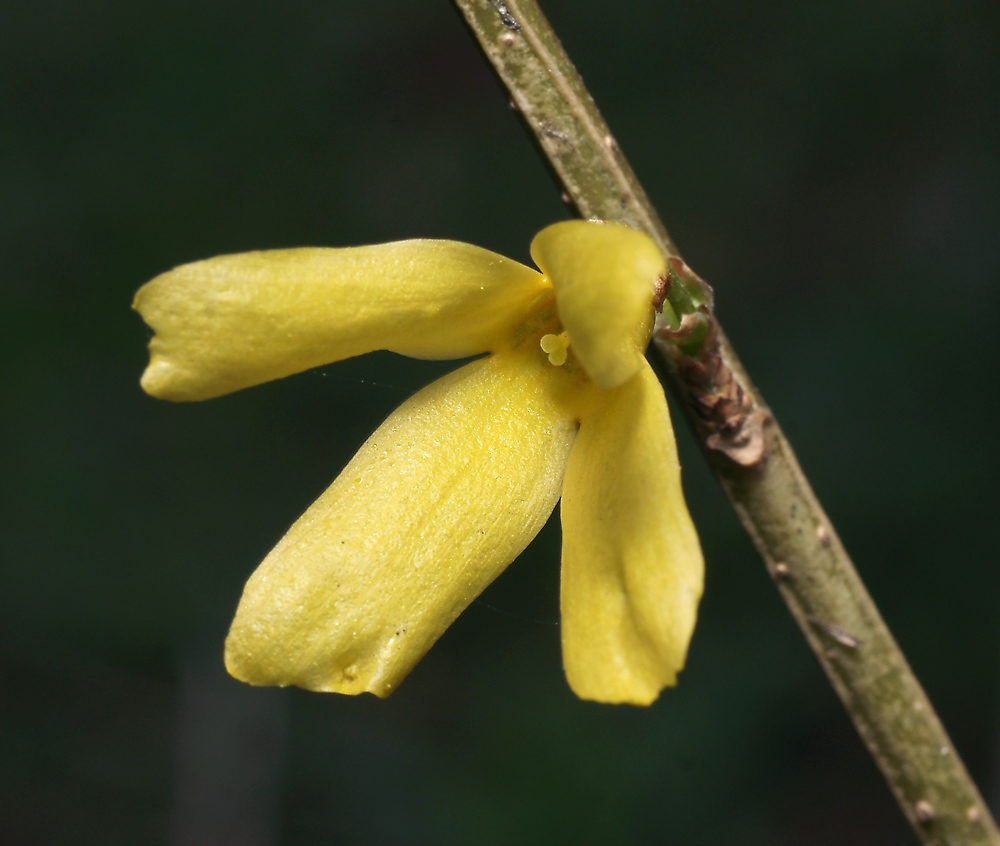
[(604, 277), (162, 379), (234, 321)]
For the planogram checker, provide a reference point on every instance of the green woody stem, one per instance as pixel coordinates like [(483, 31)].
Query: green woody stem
[(748, 452)]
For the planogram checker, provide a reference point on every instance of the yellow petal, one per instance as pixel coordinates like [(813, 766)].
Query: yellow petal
[(239, 320), (603, 275), (632, 566), (448, 491)]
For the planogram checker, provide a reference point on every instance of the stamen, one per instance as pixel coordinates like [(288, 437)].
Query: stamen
[(556, 346)]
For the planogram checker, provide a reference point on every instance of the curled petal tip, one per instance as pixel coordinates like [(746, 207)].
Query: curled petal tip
[(604, 277)]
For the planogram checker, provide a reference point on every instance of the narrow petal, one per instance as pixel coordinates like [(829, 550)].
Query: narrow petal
[(632, 566), (603, 275), (234, 321), (448, 491)]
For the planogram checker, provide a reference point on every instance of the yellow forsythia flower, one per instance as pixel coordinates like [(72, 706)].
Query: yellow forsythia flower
[(461, 477)]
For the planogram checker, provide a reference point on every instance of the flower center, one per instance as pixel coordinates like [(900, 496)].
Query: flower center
[(556, 347)]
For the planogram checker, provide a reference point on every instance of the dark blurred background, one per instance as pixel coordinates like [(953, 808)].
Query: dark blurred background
[(832, 168)]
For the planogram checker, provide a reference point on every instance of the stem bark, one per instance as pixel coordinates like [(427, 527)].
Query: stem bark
[(767, 488)]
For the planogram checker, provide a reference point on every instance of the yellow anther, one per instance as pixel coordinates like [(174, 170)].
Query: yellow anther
[(556, 346)]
